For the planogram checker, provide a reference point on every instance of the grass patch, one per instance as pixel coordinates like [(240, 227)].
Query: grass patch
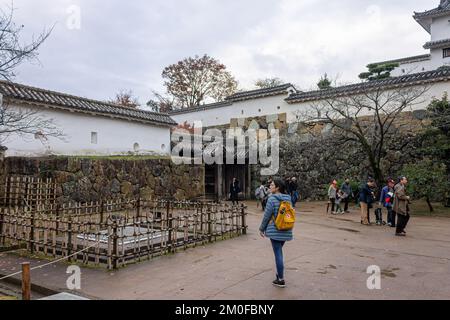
[(8, 298), (124, 157), (420, 208)]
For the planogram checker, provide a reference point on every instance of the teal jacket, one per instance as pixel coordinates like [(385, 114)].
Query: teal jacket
[(268, 225)]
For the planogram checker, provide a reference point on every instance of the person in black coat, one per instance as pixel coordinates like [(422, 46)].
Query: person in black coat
[(293, 188), (366, 199), (234, 191)]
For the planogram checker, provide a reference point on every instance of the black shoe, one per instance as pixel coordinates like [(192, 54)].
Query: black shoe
[(400, 234), (279, 283)]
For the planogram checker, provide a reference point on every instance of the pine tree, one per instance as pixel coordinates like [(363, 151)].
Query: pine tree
[(378, 71), (324, 82)]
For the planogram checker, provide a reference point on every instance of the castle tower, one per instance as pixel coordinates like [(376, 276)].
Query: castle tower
[(437, 23)]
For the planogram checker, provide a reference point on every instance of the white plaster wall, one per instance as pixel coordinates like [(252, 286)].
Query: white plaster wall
[(241, 109), (440, 28), (115, 137), (437, 59), (414, 67)]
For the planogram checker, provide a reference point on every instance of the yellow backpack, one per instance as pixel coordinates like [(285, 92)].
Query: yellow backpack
[(285, 220)]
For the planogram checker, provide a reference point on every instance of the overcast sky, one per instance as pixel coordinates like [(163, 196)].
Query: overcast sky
[(126, 44)]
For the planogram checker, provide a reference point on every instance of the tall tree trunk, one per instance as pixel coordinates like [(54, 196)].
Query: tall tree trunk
[(378, 174), (429, 205)]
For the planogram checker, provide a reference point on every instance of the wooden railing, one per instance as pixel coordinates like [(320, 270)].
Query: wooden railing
[(26, 191), (117, 233)]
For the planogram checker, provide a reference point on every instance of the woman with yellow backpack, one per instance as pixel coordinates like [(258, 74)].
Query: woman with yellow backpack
[(278, 224)]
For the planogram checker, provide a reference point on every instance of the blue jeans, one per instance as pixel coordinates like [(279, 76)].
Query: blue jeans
[(278, 251), (391, 216)]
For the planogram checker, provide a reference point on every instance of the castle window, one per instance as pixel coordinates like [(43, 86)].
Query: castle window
[(446, 52), (94, 137)]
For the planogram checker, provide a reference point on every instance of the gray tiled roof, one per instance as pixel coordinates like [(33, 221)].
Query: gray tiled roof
[(437, 44), (442, 9), (202, 107), (41, 97), (240, 96), (442, 74), (260, 93), (418, 58)]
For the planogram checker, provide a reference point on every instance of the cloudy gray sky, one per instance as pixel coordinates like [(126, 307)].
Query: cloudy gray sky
[(126, 44)]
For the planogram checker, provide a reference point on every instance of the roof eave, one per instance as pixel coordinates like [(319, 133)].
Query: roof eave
[(437, 44), (270, 94), (356, 91), (77, 110), (425, 22)]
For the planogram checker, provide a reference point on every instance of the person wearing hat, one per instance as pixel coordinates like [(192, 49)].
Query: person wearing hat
[(387, 201)]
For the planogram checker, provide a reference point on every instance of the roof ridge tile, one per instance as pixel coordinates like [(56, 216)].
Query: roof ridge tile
[(32, 94)]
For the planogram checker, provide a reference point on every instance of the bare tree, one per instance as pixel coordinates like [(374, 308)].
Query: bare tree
[(12, 51), (161, 103), (126, 99), (16, 121), (23, 122), (369, 119), (269, 83)]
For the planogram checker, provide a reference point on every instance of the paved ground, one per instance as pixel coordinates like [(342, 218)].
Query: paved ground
[(327, 260)]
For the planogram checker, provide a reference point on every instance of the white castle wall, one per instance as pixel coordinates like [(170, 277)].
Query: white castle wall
[(114, 136)]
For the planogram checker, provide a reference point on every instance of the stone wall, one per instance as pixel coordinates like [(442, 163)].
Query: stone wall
[(317, 160), (93, 179)]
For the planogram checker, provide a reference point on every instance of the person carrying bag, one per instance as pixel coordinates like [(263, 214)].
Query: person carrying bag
[(277, 225)]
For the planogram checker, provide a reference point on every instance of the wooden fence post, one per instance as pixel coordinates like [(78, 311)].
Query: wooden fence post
[(57, 211), (138, 208), (244, 222), (169, 227), (209, 224), (201, 219), (26, 281), (69, 238), (2, 217), (101, 211), (115, 252), (32, 231)]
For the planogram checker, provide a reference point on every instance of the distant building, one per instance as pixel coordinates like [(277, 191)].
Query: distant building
[(90, 127), (437, 23)]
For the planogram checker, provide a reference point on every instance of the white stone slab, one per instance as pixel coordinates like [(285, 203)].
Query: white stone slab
[(63, 297)]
